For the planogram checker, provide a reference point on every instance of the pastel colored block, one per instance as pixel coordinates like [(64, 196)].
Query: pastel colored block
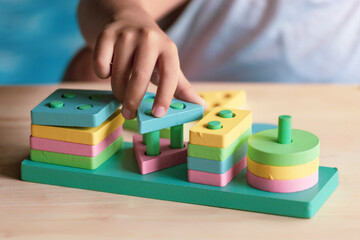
[(131, 124), (283, 186), (74, 160), (281, 172), (231, 99), (219, 167), (85, 150), (231, 129), (75, 108), (168, 157), (120, 174), (174, 116), (264, 148), (218, 154), (213, 179), (91, 136)]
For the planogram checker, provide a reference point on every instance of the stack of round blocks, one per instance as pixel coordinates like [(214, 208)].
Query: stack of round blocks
[(283, 160)]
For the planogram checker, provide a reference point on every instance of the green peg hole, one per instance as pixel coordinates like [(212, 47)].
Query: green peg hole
[(214, 125), (56, 104), (226, 114), (84, 107), (96, 96), (68, 95), (148, 112), (149, 99), (177, 106)]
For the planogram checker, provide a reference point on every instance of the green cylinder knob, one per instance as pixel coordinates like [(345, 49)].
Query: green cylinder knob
[(56, 104), (214, 125), (226, 114), (152, 143), (284, 129), (177, 136)]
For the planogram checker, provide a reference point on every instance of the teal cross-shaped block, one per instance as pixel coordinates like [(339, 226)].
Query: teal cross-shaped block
[(179, 112), (75, 108)]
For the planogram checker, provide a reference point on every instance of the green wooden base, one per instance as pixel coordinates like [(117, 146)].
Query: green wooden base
[(120, 174)]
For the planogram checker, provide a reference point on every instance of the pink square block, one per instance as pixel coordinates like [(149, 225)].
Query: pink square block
[(78, 149), (168, 157), (214, 179)]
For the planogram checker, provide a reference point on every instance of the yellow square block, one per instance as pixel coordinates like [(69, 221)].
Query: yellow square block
[(231, 99), (83, 135), (231, 129)]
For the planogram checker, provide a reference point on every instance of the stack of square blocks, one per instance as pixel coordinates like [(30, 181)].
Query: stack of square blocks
[(76, 128), (217, 147)]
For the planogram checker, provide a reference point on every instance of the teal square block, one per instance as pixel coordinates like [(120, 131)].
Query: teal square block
[(218, 167), (75, 108)]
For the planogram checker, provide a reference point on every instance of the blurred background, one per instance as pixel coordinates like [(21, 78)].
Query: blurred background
[(37, 40)]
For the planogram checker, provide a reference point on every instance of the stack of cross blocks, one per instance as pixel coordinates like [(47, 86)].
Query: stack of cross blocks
[(217, 147), (76, 128)]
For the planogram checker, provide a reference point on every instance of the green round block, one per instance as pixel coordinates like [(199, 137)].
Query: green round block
[(214, 125), (226, 114), (56, 104), (264, 148), (85, 107), (148, 112), (96, 96), (69, 95), (177, 106)]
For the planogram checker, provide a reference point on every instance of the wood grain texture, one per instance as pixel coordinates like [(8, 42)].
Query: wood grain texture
[(37, 211)]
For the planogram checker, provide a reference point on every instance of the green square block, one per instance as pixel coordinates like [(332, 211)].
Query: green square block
[(77, 161), (218, 154), (120, 174)]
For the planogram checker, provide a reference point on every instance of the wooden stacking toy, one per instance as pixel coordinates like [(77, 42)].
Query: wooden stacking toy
[(217, 149), (283, 160), (76, 128)]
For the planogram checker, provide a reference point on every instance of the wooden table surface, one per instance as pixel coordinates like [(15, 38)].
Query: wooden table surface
[(38, 211)]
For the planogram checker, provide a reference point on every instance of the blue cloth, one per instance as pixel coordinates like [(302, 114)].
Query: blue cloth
[(37, 40)]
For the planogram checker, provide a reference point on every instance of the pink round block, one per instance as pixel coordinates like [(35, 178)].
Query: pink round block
[(78, 149), (282, 186)]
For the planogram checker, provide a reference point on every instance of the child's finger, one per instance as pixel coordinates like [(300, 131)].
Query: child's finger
[(124, 52), (184, 91), (143, 67), (168, 79), (103, 53)]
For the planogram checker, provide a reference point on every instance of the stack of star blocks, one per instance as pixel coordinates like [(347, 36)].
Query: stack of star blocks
[(76, 128), (217, 146)]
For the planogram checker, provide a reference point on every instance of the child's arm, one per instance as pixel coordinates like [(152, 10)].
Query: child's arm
[(128, 44)]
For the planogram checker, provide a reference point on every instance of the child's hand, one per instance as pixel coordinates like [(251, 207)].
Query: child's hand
[(128, 50)]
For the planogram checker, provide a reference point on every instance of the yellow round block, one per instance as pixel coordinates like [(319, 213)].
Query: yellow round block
[(282, 172)]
